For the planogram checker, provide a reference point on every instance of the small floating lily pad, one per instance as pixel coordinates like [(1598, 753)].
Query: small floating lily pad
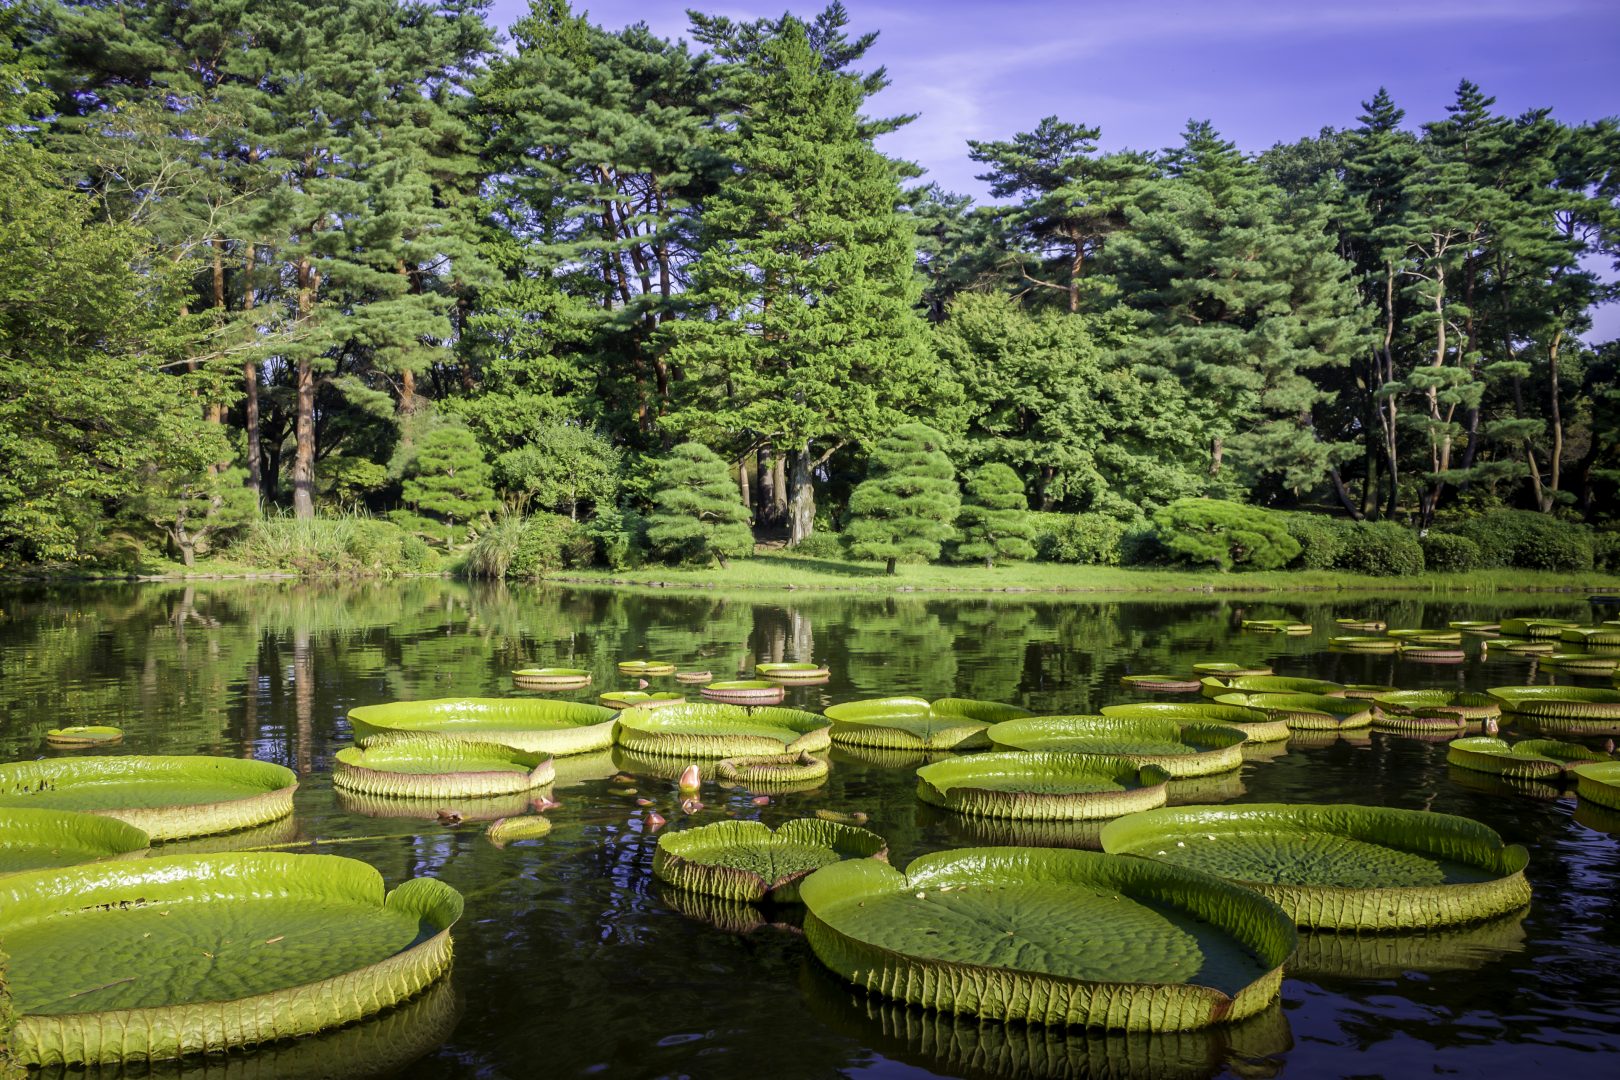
[(639, 699), (1180, 749), (167, 797), (79, 737), (1276, 626), (536, 725), (1161, 684), (1214, 686), (1050, 936), (775, 771), (37, 839), (1041, 786), (1230, 670), (551, 678), (439, 767), (744, 692), (1307, 712), (746, 860), (914, 723), (1255, 723), (694, 678), (1366, 644), (701, 730), (1474, 626), (791, 672), (646, 669), (506, 830), (184, 954), (1374, 625), (1340, 867), (1527, 759), (1432, 654), (1600, 783)]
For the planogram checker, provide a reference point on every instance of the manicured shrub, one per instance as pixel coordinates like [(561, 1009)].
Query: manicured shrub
[(904, 509), (1449, 553), (1606, 549), (619, 535), (1321, 540), (448, 485), (1380, 548), (1090, 538), (823, 544), (698, 514), (994, 522), (1224, 534), (1528, 540)]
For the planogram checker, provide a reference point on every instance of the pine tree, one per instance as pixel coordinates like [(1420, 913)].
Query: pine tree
[(451, 481), (905, 508), (696, 513), (995, 522)]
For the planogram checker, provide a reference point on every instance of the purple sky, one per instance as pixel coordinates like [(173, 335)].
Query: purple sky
[(1263, 71)]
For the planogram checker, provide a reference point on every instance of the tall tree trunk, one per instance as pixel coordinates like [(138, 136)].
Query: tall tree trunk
[(304, 431), (1555, 414), (801, 497), (407, 392), (890, 568), (1217, 451), (250, 384), (742, 483), (767, 486)]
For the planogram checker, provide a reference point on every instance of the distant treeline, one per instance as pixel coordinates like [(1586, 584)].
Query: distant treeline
[(323, 255)]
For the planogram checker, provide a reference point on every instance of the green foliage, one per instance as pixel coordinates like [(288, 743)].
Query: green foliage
[(1225, 534), (1321, 540), (193, 504), (1531, 541), (697, 514), (451, 481), (994, 522), (823, 544), (1380, 548), (346, 481), (1448, 553), (620, 535), (529, 547), (561, 468), (1606, 549), (903, 511), (1092, 539), (348, 546)]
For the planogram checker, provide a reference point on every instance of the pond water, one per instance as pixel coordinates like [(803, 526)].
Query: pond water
[(572, 960)]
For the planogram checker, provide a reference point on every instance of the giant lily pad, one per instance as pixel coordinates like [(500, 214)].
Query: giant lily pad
[(1227, 669), (1041, 786), (1254, 723), (1180, 749), (1340, 867), (1306, 712), (1599, 783), (73, 738), (1527, 759), (646, 669), (1581, 663), (1367, 691), (1215, 686), (772, 773), (186, 954), (640, 699), (532, 724), (1560, 703), (37, 839), (745, 860), (439, 767), (1050, 936), (1422, 703), (1592, 635), (744, 692), (1161, 684), (914, 723), (166, 797), (789, 672), (551, 678), (1535, 628), (701, 730)]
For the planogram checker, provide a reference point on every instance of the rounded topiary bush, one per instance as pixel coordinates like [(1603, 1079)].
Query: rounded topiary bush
[(1450, 553), (1084, 538), (1380, 548), (1531, 541), (1225, 534), (1321, 540)]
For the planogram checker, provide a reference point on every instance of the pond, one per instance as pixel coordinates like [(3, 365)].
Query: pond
[(572, 960)]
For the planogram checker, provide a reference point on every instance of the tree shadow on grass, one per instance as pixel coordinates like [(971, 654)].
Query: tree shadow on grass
[(834, 567)]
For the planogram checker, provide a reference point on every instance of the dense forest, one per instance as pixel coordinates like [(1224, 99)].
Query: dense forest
[(583, 294)]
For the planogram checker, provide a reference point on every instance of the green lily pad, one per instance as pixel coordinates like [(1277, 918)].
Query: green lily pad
[(1518, 648), (503, 831), (1161, 684), (701, 730), (551, 678), (38, 839), (1422, 723), (1367, 691), (1366, 644), (916, 724), (1561, 703), (1599, 783), (1340, 867), (166, 797), (1180, 749), (1254, 723), (646, 669), (175, 955), (1433, 654), (773, 772), (447, 812), (1215, 686), (1582, 663), (1591, 635), (1373, 625), (1527, 759), (1464, 706), (793, 672), (1230, 670), (1276, 626), (1050, 936), (1474, 626), (1536, 628), (1500, 785), (439, 767), (532, 724), (91, 735), (744, 692), (745, 860), (1041, 786), (639, 699), (694, 678), (1306, 712)]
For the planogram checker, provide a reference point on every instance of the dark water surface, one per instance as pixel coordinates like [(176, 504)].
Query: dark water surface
[(572, 960)]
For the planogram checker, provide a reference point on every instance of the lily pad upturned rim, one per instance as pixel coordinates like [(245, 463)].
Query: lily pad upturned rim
[(537, 725), (1582, 663), (694, 858), (1372, 909), (1258, 725), (713, 730), (1535, 628), (1215, 686), (1559, 702), (646, 668), (1163, 684), (1307, 712), (1213, 747), (1591, 635), (917, 724), (834, 893), (515, 827), (1277, 626), (639, 699), (951, 784), (95, 837), (1372, 625), (792, 671), (1230, 669), (268, 789), (694, 678), (408, 767), (84, 735), (1464, 704), (772, 772), (1599, 782), (551, 678), (230, 879), (1367, 643), (745, 692), (1527, 759)]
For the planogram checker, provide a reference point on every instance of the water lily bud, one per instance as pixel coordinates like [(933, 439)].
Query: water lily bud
[(691, 778), (761, 800), (644, 802), (654, 821)]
